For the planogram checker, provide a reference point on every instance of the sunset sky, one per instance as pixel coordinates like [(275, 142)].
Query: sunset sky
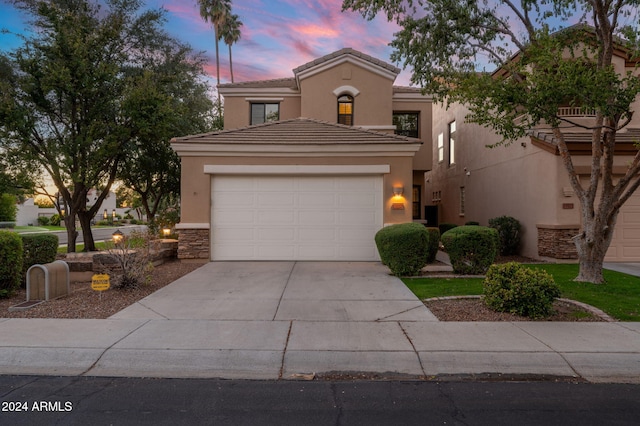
[(277, 35)]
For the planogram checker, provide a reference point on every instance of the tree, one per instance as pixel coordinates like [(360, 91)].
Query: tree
[(215, 12), (230, 33), (61, 96), (168, 99), (539, 68)]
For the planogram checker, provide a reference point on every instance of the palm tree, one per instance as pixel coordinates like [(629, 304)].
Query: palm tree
[(216, 12), (230, 32)]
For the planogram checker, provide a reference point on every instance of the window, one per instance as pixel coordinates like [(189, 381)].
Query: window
[(264, 113), (440, 148), (462, 195), (406, 123), (452, 143), (417, 190), (345, 110)]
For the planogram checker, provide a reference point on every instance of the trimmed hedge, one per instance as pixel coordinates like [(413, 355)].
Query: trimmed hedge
[(403, 248), (434, 244), (8, 208), (38, 250), (472, 249), (444, 227), (10, 262), (510, 287), (509, 232)]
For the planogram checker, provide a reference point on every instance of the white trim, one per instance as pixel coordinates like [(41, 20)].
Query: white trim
[(346, 89), (258, 150), (376, 69), (373, 169), (187, 225), (264, 99), (412, 97), (377, 127)]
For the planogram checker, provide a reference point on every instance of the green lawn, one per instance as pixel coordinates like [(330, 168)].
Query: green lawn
[(100, 245), (619, 297), (21, 229)]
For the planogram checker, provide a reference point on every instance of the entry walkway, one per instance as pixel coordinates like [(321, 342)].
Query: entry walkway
[(280, 320)]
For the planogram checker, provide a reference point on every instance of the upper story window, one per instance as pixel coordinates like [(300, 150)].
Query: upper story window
[(440, 148), (452, 143), (345, 110), (406, 123), (264, 112)]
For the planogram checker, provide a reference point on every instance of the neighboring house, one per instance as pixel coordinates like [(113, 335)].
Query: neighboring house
[(526, 180), (308, 167), (28, 212)]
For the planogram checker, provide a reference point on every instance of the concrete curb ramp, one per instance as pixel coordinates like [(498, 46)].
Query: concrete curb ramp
[(280, 320)]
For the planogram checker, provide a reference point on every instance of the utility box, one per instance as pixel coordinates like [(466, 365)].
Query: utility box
[(48, 281)]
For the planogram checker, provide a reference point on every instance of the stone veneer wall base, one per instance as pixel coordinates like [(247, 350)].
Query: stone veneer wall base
[(194, 244), (556, 241)]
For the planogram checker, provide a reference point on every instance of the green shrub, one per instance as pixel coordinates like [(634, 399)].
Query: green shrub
[(10, 262), (510, 287), (444, 227), (37, 250), (434, 244), (8, 208), (134, 221), (44, 220), (472, 223), (509, 233), (55, 220), (472, 249), (403, 248)]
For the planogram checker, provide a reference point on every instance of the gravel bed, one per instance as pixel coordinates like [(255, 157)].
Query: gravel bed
[(87, 303)]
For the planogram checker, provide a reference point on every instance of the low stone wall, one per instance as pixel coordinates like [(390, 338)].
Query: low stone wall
[(194, 244), (82, 266), (556, 241)]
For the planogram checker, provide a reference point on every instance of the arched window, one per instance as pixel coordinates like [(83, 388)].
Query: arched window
[(345, 110)]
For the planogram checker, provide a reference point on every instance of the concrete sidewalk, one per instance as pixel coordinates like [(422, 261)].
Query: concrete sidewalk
[(277, 320)]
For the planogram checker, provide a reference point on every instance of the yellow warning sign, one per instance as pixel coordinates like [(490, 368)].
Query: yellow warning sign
[(100, 282)]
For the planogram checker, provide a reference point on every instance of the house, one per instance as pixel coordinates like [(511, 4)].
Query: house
[(308, 167), (527, 180)]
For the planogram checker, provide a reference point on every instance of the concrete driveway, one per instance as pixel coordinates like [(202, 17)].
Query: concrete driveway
[(284, 291)]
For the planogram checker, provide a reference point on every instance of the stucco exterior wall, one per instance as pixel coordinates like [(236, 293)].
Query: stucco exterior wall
[(518, 180), (237, 109), (196, 185), (371, 106)]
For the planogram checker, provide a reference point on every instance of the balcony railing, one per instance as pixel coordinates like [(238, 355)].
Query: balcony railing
[(576, 112)]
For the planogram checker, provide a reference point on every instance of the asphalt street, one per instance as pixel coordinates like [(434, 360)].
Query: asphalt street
[(33, 400)]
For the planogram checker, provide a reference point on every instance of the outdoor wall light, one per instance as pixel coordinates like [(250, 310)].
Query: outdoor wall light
[(113, 214), (118, 236), (166, 232), (398, 191), (104, 215)]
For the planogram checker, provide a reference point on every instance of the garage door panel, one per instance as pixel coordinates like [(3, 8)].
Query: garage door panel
[(316, 218), (316, 200), (239, 217), (317, 235), (276, 234), (280, 199), (296, 217), (275, 217)]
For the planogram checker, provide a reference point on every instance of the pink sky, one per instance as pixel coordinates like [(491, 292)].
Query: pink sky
[(277, 35), (280, 35)]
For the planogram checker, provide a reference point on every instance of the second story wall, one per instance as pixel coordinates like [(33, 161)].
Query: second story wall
[(372, 96)]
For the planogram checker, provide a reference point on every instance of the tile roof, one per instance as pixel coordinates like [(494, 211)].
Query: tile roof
[(347, 51), (288, 83), (298, 131), (579, 143)]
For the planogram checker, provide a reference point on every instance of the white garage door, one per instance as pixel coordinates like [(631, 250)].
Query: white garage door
[(283, 217), (625, 245)]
